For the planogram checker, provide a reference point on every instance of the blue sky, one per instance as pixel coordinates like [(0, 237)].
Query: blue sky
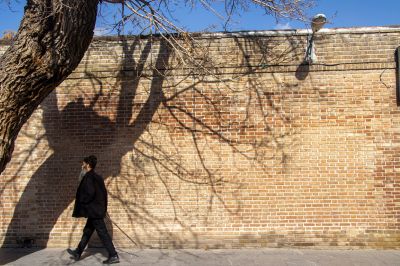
[(340, 13)]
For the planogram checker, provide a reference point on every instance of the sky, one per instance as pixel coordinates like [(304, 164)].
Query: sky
[(340, 13)]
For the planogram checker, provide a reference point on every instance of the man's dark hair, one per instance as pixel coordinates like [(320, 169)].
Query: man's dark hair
[(91, 161)]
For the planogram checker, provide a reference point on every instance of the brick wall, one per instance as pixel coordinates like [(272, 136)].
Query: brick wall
[(260, 151)]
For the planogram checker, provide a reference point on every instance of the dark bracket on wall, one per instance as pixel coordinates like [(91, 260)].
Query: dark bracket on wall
[(397, 56)]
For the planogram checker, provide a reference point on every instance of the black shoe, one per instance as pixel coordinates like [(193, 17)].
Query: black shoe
[(112, 260), (74, 253)]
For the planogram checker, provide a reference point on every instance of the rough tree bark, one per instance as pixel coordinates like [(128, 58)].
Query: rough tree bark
[(50, 43)]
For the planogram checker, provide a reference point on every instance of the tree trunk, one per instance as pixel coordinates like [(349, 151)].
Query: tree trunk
[(50, 43)]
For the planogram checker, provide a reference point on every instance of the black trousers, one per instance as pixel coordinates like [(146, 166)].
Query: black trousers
[(101, 229)]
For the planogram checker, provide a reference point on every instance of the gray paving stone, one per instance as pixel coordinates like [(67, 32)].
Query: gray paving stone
[(218, 257)]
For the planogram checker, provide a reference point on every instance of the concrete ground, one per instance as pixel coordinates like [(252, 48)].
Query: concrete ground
[(220, 257)]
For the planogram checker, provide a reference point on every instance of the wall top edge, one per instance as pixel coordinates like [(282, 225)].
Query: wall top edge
[(272, 33), (260, 33), (395, 28)]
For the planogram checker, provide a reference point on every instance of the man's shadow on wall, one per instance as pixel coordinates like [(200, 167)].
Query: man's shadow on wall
[(75, 132)]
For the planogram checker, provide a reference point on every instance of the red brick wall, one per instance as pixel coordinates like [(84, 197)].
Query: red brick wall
[(259, 152)]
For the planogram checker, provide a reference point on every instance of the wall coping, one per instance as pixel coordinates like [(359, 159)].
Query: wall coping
[(324, 31), (261, 33), (271, 33)]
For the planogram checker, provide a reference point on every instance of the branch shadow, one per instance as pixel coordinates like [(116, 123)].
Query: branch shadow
[(52, 187), (85, 126)]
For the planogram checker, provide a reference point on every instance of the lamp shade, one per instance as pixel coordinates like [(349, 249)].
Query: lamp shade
[(318, 21)]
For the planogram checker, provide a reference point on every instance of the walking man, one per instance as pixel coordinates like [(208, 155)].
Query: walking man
[(91, 203)]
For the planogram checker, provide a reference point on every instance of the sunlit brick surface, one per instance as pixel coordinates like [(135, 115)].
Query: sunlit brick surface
[(257, 150)]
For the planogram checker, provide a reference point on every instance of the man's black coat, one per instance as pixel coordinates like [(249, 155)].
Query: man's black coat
[(91, 197)]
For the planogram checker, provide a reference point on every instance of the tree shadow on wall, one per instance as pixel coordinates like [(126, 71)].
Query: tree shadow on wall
[(74, 132), (79, 129)]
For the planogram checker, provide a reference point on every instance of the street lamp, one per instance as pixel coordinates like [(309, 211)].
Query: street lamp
[(317, 22)]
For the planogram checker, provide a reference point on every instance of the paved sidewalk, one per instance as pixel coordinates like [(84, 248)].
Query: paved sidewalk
[(220, 257)]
